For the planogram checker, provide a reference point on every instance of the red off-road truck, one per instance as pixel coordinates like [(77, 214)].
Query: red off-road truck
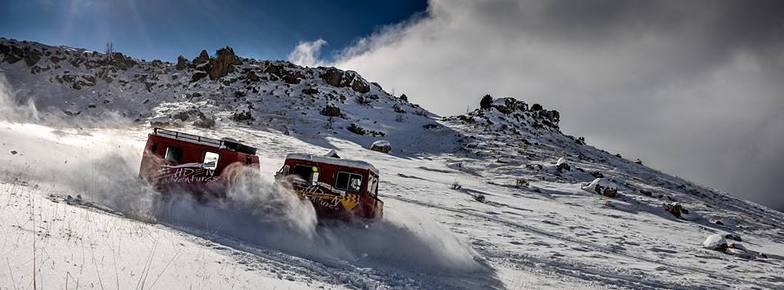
[(338, 188), (176, 161)]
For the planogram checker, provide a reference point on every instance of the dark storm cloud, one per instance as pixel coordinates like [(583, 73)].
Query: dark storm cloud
[(695, 88)]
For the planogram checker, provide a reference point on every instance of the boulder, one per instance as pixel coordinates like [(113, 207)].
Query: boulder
[(252, 76), (198, 75), (182, 63), (224, 63), (381, 146), (734, 237), (310, 91), (398, 109), (242, 116), (165, 121), (360, 86), (356, 129), (291, 79), (676, 209), (486, 102), (562, 165), (355, 81), (333, 77), (204, 121)]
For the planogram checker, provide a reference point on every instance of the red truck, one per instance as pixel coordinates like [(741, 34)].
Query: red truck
[(176, 161), (338, 188)]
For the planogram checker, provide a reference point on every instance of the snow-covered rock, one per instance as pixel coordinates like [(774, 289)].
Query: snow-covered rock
[(561, 165), (602, 186), (381, 146), (715, 242)]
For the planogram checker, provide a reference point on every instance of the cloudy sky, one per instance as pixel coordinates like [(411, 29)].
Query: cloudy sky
[(694, 88)]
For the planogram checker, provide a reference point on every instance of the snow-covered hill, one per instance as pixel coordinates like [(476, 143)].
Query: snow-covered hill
[(496, 198)]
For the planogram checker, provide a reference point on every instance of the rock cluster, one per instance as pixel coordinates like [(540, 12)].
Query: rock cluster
[(286, 71), (13, 53), (331, 111), (215, 68)]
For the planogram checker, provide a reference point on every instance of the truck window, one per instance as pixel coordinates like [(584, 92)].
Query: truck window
[(173, 154), (210, 160), (373, 186), (304, 172), (341, 182), (348, 181), (355, 183)]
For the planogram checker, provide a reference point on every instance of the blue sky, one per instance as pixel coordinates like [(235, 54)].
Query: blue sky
[(164, 29)]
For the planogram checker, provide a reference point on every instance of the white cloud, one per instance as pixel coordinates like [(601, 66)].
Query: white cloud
[(307, 53), (686, 86)]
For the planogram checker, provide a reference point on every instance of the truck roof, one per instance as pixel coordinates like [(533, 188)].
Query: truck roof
[(223, 143), (332, 160)]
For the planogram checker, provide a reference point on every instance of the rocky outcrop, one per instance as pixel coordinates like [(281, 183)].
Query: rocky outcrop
[(119, 61), (339, 78), (486, 102), (356, 82), (224, 63), (203, 58)]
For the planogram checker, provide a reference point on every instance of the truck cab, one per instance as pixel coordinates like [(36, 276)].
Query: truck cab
[(338, 188)]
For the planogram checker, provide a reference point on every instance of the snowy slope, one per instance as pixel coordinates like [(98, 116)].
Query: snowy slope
[(497, 198)]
